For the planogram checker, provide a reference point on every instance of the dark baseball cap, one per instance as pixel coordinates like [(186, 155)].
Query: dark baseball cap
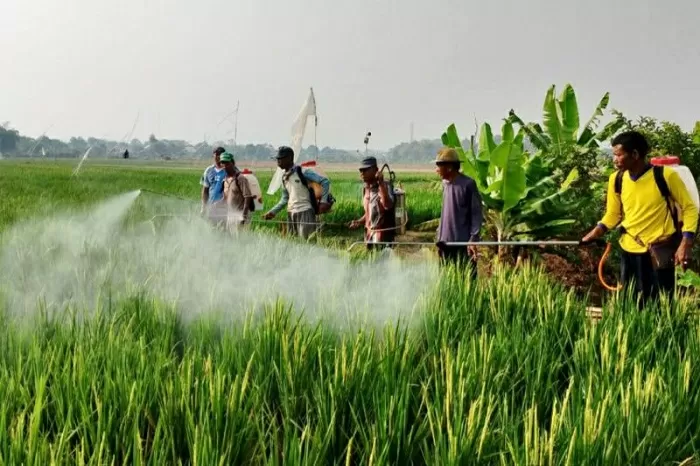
[(284, 151), (368, 162), (219, 150)]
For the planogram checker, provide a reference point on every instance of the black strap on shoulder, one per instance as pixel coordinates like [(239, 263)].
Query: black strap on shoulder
[(665, 192), (301, 176), (304, 181), (618, 181), (661, 182)]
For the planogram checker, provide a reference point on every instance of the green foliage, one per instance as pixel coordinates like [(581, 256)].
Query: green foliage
[(8, 138), (520, 190), (689, 279), (558, 137), (667, 138)]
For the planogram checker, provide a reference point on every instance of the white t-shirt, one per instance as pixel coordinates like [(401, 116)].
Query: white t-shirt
[(299, 200)]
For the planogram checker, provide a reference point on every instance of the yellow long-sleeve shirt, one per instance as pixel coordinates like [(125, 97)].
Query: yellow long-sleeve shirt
[(646, 214)]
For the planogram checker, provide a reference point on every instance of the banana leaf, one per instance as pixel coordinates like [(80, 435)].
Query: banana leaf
[(533, 131), (552, 118), (509, 158), (569, 114), (611, 128), (588, 134)]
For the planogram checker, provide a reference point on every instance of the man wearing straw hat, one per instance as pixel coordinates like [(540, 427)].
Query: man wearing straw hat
[(461, 217)]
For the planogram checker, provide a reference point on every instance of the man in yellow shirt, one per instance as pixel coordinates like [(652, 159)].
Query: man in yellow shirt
[(641, 200)]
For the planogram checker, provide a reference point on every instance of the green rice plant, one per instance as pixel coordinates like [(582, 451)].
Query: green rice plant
[(507, 370)]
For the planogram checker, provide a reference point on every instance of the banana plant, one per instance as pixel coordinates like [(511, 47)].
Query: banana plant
[(559, 138), (522, 197)]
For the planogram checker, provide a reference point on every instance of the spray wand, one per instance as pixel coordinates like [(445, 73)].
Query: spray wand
[(479, 243)]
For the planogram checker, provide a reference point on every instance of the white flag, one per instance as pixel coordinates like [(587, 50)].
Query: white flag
[(298, 128)]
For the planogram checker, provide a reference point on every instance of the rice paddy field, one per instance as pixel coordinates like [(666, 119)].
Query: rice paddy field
[(126, 339)]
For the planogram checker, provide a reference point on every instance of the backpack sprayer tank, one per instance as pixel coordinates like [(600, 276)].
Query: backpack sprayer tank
[(684, 172), (318, 190), (400, 213)]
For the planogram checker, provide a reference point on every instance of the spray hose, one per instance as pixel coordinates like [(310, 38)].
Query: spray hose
[(601, 264)]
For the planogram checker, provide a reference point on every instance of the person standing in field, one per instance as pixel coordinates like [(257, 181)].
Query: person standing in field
[(378, 204), (640, 199), (297, 196), (462, 214), (212, 182), (237, 194)]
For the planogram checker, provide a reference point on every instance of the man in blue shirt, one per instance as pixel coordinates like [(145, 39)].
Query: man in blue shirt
[(212, 182)]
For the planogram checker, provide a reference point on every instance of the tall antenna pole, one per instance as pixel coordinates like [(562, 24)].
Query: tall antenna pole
[(369, 133), (235, 128), (411, 132)]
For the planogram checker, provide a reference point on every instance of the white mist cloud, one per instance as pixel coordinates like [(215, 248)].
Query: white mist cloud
[(70, 260)]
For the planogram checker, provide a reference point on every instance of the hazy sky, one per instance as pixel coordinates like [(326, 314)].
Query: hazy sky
[(86, 67)]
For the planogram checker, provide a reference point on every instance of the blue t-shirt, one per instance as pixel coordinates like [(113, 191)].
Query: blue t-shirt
[(213, 178)]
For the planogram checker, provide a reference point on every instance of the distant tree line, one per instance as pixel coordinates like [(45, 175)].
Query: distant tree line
[(13, 144)]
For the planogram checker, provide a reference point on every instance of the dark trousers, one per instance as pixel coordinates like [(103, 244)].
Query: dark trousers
[(638, 274), (459, 256)]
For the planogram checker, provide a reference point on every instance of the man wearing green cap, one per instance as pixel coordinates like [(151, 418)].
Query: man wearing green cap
[(237, 194)]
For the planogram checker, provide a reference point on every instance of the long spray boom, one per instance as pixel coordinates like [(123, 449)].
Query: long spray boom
[(480, 243)]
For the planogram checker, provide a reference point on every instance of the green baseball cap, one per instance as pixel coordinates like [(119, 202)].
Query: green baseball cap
[(226, 157)]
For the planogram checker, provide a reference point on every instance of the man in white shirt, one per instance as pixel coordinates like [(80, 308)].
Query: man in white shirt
[(298, 196)]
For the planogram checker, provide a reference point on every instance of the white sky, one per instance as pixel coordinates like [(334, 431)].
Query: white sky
[(86, 67)]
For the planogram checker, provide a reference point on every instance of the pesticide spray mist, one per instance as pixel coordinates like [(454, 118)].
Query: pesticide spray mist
[(79, 260)]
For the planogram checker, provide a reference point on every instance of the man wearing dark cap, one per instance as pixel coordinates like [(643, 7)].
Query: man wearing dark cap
[(297, 196), (461, 217), (212, 182), (378, 202)]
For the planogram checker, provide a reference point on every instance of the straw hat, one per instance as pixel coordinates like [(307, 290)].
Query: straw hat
[(447, 155)]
